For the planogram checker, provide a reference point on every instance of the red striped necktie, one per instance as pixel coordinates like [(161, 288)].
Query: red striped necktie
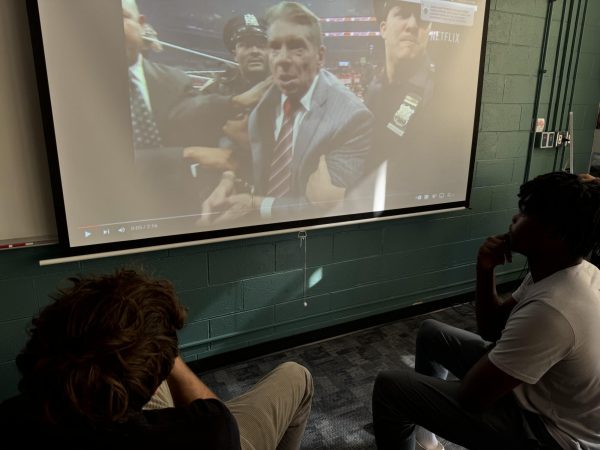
[(280, 178)]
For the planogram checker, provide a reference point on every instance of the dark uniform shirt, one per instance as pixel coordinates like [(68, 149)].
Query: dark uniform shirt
[(400, 112), (207, 113), (221, 90), (229, 83)]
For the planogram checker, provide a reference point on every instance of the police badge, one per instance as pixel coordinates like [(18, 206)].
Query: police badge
[(402, 116)]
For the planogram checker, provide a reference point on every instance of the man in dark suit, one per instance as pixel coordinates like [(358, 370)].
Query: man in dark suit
[(178, 129), (156, 90), (175, 127), (161, 116), (307, 123)]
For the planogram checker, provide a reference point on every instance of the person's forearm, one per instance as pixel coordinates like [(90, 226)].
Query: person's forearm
[(487, 305), (491, 311), (185, 385), (200, 110)]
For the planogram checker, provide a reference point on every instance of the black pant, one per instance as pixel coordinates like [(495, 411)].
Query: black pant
[(404, 398)]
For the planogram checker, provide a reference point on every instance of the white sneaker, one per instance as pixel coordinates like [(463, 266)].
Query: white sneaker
[(418, 446)]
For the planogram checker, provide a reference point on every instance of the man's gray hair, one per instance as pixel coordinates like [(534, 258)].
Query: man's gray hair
[(299, 14)]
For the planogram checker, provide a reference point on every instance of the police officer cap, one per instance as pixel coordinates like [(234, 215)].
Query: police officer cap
[(246, 25), (382, 7)]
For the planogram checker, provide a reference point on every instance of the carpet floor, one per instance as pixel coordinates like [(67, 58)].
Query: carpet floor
[(344, 369)]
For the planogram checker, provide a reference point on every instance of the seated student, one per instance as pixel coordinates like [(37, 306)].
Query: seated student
[(101, 370), (531, 378)]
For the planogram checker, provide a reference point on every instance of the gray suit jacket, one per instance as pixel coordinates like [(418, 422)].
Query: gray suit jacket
[(338, 125)]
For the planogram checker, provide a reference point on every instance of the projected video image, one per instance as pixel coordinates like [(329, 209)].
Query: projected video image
[(233, 114)]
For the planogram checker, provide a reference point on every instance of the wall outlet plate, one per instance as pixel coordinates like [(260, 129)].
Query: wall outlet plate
[(546, 139)]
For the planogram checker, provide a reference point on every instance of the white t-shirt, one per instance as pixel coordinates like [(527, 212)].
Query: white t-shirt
[(551, 342)]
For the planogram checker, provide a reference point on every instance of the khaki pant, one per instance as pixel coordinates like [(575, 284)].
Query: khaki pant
[(272, 414)]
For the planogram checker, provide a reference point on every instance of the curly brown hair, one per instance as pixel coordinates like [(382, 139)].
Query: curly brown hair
[(101, 349)]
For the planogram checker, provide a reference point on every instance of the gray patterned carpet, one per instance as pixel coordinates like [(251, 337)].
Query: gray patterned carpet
[(344, 369)]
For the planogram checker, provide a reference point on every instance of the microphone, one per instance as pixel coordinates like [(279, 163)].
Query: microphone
[(154, 40)]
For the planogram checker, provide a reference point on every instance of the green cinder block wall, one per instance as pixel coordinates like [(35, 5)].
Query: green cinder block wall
[(241, 293)]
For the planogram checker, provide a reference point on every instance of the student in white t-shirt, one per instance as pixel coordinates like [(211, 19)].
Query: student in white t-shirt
[(531, 378)]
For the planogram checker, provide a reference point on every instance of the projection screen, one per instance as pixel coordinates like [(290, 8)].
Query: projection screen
[(179, 120)]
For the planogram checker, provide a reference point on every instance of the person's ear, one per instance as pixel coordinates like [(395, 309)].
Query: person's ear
[(142, 19), (321, 55), (382, 28)]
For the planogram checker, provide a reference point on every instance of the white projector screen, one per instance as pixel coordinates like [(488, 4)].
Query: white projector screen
[(181, 120)]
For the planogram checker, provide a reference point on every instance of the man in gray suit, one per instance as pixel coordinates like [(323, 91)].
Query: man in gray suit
[(308, 132)]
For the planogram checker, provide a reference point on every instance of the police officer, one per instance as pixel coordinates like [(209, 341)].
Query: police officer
[(231, 97), (400, 93), (226, 100), (245, 36)]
